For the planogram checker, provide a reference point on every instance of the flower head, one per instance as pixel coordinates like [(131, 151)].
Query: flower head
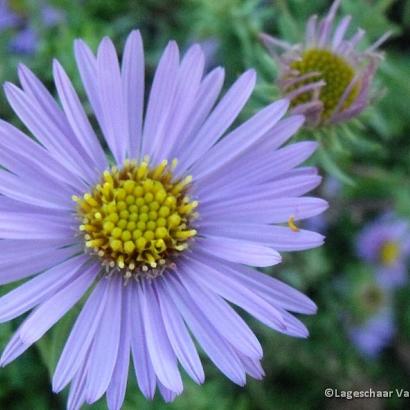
[(385, 243), (158, 230), (326, 77), (371, 324)]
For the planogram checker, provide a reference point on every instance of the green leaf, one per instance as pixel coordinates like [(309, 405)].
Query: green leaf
[(330, 166)]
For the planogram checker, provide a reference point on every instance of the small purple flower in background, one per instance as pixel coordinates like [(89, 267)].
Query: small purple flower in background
[(373, 335), (25, 40), (160, 237), (326, 78), (8, 18), (385, 243), (376, 328)]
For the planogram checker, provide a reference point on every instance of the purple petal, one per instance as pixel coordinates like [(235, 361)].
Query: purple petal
[(104, 351), (244, 280), (219, 351), (37, 120), (234, 291), (54, 308), (113, 108), (239, 251), (81, 336), (229, 324), (142, 363), (17, 225), (179, 337), (241, 139), (160, 99), (278, 237), (35, 291), (132, 74), (219, 120), (162, 356), (118, 385), (77, 118), (205, 99), (32, 257), (269, 211), (183, 104)]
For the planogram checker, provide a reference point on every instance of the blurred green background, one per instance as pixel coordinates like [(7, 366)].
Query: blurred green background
[(374, 153)]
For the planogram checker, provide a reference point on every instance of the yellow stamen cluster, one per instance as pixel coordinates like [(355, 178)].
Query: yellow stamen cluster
[(137, 219), (336, 72), (389, 252)]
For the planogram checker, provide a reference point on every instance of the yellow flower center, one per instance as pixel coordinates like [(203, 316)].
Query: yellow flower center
[(334, 70), (389, 252), (137, 219)]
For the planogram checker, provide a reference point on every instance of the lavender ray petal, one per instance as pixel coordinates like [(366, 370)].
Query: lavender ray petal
[(229, 324), (293, 186), (47, 132), (77, 118), (104, 350), (168, 395), (113, 107), (183, 104), (142, 363), (160, 99), (17, 225), (239, 251), (162, 355), (81, 336), (219, 351), (266, 211), (179, 337), (38, 289), (118, 385), (219, 120), (229, 276), (206, 97), (54, 308), (236, 293), (34, 154), (280, 238), (87, 67), (241, 139), (132, 75)]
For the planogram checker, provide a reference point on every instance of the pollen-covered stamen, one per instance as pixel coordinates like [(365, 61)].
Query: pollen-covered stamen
[(137, 219), (333, 70)]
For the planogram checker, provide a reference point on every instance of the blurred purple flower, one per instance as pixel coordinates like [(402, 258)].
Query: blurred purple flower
[(8, 18), (25, 39), (326, 77), (51, 16), (385, 243), (119, 233), (374, 334), (24, 42)]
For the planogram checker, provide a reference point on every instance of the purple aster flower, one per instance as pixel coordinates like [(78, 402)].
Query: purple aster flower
[(373, 335), (51, 16), (8, 18), (159, 233), (371, 324), (24, 42), (326, 77), (385, 243)]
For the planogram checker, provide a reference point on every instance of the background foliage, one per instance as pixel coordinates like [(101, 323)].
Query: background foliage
[(369, 158)]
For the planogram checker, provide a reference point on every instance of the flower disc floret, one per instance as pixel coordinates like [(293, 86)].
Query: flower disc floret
[(138, 218), (336, 73)]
